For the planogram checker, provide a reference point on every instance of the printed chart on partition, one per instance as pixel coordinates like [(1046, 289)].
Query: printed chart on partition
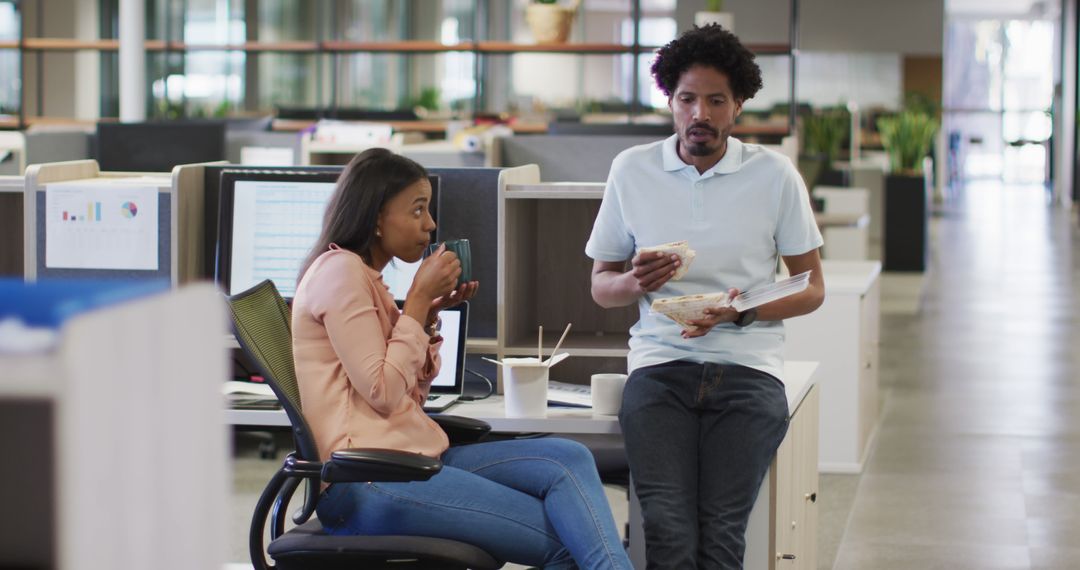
[(275, 225), (101, 227)]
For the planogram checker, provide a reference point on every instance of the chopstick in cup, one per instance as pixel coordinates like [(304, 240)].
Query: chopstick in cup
[(562, 338)]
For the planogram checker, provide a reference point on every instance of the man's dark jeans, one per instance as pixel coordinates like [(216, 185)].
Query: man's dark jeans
[(699, 438)]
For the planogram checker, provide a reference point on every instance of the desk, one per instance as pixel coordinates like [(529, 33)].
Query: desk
[(782, 521), (845, 234), (843, 335)]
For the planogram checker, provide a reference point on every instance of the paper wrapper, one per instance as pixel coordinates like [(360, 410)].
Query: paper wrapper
[(680, 248), (688, 307)]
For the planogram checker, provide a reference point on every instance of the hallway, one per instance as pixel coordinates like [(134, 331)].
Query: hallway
[(977, 461)]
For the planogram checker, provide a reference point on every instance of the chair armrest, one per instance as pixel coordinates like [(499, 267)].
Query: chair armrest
[(461, 430), (382, 465)]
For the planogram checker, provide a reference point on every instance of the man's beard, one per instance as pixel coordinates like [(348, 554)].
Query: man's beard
[(701, 149)]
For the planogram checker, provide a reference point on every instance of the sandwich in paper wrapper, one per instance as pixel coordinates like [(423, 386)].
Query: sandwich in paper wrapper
[(680, 248), (688, 308)]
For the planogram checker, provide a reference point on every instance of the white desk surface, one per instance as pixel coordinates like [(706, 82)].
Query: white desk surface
[(798, 378)]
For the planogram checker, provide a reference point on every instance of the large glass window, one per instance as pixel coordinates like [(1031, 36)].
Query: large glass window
[(10, 73), (998, 93)]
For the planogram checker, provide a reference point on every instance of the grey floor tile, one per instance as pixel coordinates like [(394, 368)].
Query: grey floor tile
[(890, 556), (1055, 557)]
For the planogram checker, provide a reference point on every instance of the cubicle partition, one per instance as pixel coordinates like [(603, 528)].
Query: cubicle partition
[(53, 144), (178, 240), (12, 153), (469, 209), (11, 225), (568, 158)]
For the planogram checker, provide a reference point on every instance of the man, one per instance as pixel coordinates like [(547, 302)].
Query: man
[(704, 409)]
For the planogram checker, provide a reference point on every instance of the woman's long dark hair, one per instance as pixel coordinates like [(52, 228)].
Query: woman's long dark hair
[(370, 180)]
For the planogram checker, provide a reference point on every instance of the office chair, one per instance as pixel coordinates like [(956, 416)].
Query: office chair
[(262, 324)]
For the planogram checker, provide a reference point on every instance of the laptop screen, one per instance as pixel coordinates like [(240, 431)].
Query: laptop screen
[(451, 378)]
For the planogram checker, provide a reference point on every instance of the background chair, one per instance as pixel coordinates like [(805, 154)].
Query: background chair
[(263, 328)]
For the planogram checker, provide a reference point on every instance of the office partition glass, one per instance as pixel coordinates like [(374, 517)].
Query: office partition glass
[(998, 93), (10, 62)]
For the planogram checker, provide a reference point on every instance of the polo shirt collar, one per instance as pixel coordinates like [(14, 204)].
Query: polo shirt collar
[(731, 161)]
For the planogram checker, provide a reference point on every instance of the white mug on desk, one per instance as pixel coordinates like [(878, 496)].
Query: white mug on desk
[(607, 393)]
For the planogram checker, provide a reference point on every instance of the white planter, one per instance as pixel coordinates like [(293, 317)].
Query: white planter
[(725, 19)]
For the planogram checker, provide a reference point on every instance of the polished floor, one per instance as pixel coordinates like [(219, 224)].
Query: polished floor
[(977, 459), (977, 462)]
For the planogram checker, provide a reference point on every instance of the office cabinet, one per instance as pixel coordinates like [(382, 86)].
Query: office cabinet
[(843, 336), (793, 486)]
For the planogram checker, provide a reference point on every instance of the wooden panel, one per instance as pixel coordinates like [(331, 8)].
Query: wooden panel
[(922, 75), (190, 191), (579, 48), (395, 47), (11, 234), (580, 370), (563, 228), (520, 269)]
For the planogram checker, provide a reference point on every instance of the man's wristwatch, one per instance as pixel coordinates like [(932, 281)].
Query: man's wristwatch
[(746, 318)]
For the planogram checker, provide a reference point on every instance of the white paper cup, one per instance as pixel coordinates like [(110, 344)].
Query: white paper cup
[(525, 387), (607, 393)]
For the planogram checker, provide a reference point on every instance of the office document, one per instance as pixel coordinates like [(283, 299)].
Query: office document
[(99, 226)]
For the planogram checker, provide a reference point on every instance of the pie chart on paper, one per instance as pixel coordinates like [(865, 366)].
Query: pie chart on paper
[(129, 209)]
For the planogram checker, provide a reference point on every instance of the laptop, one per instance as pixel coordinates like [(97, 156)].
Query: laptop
[(448, 386)]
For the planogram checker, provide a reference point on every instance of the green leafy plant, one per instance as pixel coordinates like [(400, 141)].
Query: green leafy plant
[(547, 1), (170, 110), (714, 5), (428, 99), (222, 110), (824, 132), (907, 137)]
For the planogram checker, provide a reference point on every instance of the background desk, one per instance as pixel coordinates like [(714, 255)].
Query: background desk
[(784, 519), (843, 336)]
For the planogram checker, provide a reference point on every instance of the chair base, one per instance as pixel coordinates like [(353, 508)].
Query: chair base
[(308, 547)]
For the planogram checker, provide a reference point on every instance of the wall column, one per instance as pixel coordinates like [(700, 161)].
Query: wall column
[(132, 61)]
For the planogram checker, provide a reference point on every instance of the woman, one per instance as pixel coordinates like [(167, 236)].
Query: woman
[(364, 369)]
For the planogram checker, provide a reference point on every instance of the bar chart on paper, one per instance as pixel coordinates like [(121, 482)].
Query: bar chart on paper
[(101, 227)]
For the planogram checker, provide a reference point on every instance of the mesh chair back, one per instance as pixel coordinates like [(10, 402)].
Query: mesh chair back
[(263, 327)]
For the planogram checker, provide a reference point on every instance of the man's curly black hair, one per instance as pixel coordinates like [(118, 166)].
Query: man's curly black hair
[(713, 46)]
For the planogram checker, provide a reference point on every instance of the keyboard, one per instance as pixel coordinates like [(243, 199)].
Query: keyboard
[(566, 394)]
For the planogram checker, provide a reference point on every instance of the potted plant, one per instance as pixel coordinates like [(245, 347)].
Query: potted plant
[(714, 14), (823, 133), (907, 138), (550, 21)]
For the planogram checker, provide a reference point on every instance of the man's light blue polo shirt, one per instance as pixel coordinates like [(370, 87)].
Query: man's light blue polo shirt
[(739, 216)]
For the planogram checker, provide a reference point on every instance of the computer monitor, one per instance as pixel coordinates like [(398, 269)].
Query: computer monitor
[(454, 330), (268, 221), (158, 147)]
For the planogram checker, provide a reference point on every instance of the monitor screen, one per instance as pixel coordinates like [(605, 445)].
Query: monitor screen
[(268, 223), (158, 147)]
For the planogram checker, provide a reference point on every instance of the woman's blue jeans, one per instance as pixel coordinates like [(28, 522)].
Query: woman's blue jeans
[(699, 439), (531, 501)]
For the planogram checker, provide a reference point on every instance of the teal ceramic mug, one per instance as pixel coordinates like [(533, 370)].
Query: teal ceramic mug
[(461, 248)]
